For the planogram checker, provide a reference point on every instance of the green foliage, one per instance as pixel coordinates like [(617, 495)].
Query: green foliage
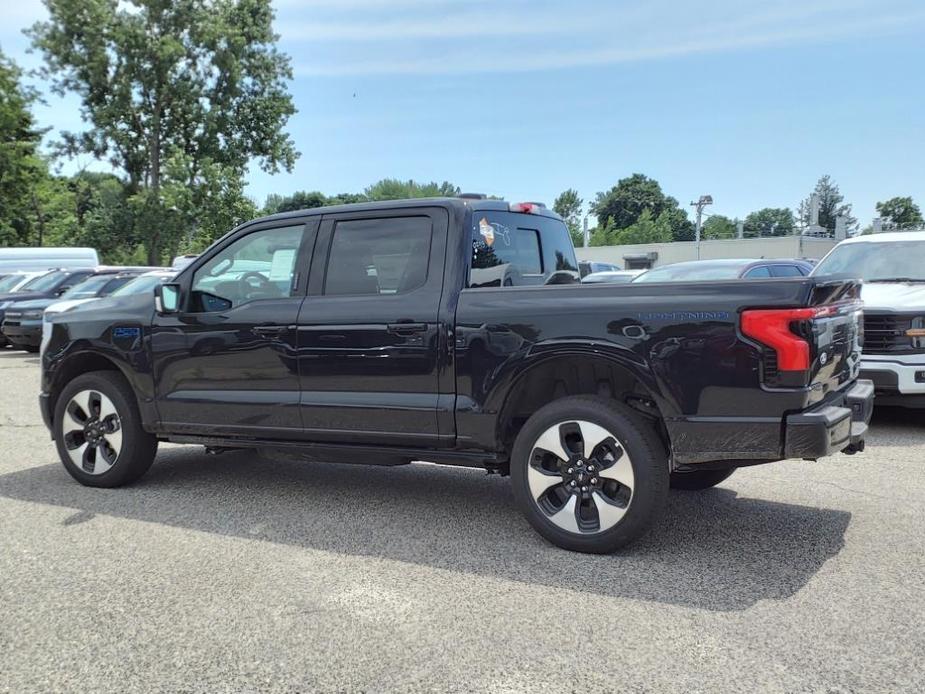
[(625, 203), (900, 211), (394, 189), (718, 227), (647, 229), (192, 80), (300, 200), (831, 205), (21, 167), (770, 221), (568, 206)]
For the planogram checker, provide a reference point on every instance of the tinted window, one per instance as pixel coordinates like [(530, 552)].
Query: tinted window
[(88, 288), (44, 282), (691, 272), (378, 256), (260, 265), (786, 271), (758, 273), (511, 249)]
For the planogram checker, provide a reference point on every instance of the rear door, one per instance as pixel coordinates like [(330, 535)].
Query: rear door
[(370, 338)]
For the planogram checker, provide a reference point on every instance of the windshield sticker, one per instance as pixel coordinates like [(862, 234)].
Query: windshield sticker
[(487, 231)]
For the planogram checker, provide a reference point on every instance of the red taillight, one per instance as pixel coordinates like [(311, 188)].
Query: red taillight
[(771, 327), (526, 207)]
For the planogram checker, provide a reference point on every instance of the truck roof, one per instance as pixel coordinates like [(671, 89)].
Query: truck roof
[(888, 237), (460, 203)]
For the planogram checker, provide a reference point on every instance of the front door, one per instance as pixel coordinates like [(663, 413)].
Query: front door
[(371, 340), (226, 363)]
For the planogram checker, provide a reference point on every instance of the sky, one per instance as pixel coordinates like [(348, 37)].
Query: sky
[(750, 102)]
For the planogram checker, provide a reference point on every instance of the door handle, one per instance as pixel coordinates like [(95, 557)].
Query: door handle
[(407, 328), (270, 330)]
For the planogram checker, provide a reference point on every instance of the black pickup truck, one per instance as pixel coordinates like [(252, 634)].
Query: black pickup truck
[(455, 331)]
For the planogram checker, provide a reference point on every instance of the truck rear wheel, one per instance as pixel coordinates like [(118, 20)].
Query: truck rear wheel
[(589, 474), (98, 431), (699, 479)]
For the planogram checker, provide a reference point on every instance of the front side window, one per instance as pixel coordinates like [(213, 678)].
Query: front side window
[(511, 249), (378, 256), (260, 265)]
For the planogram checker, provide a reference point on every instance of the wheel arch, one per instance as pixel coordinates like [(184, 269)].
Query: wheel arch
[(559, 373), (77, 364)]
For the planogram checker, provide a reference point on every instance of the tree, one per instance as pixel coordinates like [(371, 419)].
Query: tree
[(900, 211), (770, 221), (394, 189), (646, 229), (22, 169), (625, 202), (718, 227), (831, 206), (300, 200), (198, 79), (568, 206)]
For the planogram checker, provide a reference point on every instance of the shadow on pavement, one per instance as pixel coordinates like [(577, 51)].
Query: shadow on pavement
[(712, 550)]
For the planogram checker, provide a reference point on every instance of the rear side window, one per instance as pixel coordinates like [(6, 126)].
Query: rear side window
[(786, 271), (378, 256), (757, 273), (511, 249)]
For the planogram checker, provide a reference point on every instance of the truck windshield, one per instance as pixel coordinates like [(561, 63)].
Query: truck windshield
[(88, 288), (512, 249), (45, 282), (900, 261)]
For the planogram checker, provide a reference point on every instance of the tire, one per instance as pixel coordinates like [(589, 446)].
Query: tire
[(625, 475), (97, 429), (699, 480)]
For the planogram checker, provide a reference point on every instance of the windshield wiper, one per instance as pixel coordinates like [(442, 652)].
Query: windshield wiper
[(896, 279)]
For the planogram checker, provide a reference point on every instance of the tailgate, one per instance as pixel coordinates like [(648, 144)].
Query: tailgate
[(818, 345)]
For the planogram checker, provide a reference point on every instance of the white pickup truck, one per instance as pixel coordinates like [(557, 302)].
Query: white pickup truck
[(892, 266)]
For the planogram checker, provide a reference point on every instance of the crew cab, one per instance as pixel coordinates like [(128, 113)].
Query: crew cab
[(456, 331), (892, 266)]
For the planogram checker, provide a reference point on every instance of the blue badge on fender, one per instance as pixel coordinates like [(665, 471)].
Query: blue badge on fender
[(122, 333)]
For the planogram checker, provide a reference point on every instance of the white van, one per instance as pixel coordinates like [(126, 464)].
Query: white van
[(892, 266), (43, 258)]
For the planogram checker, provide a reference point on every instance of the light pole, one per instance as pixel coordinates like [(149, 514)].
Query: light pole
[(699, 205)]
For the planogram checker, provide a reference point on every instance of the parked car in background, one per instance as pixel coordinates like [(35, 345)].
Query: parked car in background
[(44, 258), (22, 321), (587, 267), (48, 285), (181, 261), (14, 281), (727, 269), (611, 277), (892, 266)]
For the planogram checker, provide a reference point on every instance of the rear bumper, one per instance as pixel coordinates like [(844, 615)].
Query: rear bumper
[(839, 425), (836, 424)]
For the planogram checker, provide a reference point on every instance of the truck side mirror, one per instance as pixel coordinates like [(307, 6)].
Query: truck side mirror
[(167, 298)]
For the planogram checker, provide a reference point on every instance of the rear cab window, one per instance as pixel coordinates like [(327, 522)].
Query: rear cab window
[(511, 249)]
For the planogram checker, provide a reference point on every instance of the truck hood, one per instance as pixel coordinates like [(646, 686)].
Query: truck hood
[(62, 306), (894, 296), (30, 305)]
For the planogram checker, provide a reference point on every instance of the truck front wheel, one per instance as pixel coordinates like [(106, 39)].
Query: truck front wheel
[(589, 474), (98, 431)]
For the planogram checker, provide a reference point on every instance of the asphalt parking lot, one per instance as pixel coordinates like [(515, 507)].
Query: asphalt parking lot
[(231, 573)]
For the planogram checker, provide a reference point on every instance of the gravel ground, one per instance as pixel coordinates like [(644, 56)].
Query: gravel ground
[(231, 573)]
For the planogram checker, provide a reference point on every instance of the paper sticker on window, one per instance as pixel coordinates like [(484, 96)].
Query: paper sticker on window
[(281, 266), (487, 231)]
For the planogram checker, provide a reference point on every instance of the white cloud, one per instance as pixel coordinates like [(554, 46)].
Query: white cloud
[(610, 35)]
